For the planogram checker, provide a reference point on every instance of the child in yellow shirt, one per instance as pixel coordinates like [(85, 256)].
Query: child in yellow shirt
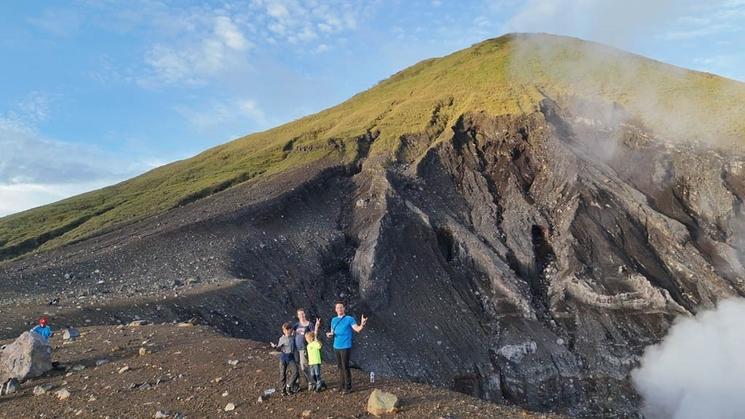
[(314, 360)]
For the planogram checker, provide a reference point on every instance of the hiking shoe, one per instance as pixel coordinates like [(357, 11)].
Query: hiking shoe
[(284, 392), (310, 387)]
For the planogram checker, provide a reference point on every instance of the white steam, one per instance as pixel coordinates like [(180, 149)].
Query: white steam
[(698, 370), (678, 104)]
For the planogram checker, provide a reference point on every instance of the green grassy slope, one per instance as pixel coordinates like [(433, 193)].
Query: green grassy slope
[(507, 75)]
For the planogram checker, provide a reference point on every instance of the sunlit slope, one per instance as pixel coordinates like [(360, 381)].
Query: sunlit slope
[(506, 75)]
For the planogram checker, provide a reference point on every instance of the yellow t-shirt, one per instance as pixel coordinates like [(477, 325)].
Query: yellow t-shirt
[(314, 352)]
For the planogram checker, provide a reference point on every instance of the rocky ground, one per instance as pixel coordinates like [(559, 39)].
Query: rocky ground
[(182, 370)]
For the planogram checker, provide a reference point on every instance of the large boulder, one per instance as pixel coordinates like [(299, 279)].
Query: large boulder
[(29, 356), (382, 403)]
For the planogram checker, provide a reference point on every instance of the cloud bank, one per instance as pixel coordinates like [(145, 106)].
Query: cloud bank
[(35, 171)]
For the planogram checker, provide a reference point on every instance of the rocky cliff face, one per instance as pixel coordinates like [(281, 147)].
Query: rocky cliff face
[(524, 259)]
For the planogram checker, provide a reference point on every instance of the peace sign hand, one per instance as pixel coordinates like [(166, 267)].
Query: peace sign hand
[(364, 320)]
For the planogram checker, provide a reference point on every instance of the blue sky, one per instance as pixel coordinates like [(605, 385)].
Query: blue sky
[(94, 92)]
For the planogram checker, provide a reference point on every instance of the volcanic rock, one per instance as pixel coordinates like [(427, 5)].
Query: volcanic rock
[(27, 357), (381, 403)]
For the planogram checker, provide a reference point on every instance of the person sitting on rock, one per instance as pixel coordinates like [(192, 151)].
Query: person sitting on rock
[(43, 330), (314, 361), (286, 346)]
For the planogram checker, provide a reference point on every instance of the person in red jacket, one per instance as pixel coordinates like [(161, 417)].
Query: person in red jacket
[(43, 330)]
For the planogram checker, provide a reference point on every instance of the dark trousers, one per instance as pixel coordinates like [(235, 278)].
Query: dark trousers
[(283, 365), (345, 374)]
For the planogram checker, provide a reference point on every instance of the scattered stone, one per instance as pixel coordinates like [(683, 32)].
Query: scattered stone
[(27, 357), (184, 324), (123, 369), (225, 394), (62, 394), (306, 413), (10, 387), (137, 323), (102, 362), (70, 334), (381, 403), (144, 351), (42, 389), (161, 414), (233, 362), (229, 407), (78, 367)]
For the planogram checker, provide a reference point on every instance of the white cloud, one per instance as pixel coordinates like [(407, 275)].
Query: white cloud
[(698, 370), (35, 170), (18, 197), (221, 113), (62, 22), (229, 33), (300, 22), (28, 157), (707, 19), (203, 55)]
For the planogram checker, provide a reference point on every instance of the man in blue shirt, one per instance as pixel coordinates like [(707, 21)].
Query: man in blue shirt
[(342, 328), (43, 330)]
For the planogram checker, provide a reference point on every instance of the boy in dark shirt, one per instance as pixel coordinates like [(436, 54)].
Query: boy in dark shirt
[(286, 347)]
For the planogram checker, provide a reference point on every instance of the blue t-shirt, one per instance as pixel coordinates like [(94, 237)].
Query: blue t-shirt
[(342, 328), (44, 331)]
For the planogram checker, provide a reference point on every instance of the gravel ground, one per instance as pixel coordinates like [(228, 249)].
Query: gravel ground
[(187, 370)]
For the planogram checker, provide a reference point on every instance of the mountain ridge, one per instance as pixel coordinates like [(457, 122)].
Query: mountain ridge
[(408, 104)]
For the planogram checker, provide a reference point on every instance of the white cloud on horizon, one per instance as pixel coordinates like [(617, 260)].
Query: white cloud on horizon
[(17, 197), (35, 170)]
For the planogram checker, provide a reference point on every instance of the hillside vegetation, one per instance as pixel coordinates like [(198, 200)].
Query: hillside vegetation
[(506, 75)]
